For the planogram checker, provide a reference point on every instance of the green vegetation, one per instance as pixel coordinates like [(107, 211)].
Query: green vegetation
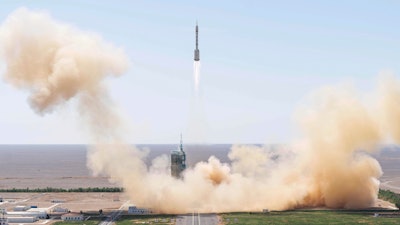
[(147, 219), (311, 217), (88, 222), (390, 196), (50, 189), (128, 220)]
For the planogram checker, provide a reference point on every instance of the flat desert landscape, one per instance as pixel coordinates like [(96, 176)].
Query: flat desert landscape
[(75, 202)]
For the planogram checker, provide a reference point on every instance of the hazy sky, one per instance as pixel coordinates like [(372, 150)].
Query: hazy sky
[(259, 59)]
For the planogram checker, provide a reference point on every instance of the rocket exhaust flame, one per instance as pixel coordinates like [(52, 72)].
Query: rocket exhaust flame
[(326, 168)]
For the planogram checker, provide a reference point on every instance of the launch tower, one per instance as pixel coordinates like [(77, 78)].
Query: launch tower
[(178, 161)]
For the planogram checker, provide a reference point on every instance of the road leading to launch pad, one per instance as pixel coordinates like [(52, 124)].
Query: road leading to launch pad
[(197, 219)]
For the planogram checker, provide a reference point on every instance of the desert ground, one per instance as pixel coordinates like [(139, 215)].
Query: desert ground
[(87, 202), (75, 202)]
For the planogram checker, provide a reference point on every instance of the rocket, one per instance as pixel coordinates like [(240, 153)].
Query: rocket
[(196, 51)]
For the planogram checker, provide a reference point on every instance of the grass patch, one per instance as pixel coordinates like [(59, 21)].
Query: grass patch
[(390, 196), (148, 219), (88, 222), (310, 217)]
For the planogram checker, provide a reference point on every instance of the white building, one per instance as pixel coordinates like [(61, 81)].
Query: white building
[(19, 208), (40, 212), (72, 217), (22, 219), (35, 212), (60, 210), (138, 211)]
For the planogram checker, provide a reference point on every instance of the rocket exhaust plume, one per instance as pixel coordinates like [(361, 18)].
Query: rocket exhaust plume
[(196, 77), (197, 122), (329, 166)]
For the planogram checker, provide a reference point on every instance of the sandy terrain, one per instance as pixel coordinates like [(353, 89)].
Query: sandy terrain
[(391, 184), (384, 204), (58, 182), (75, 202), (87, 202)]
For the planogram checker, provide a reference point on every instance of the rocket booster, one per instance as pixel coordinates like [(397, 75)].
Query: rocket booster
[(196, 51)]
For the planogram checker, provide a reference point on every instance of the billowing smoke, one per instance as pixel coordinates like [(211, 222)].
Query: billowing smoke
[(338, 130), (328, 166), (55, 62)]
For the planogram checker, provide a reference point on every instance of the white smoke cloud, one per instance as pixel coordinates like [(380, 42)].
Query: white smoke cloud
[(55, 61)]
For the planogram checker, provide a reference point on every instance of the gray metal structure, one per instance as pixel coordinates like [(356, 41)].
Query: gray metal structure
[(178, 161), (3, 218), (197, 51)]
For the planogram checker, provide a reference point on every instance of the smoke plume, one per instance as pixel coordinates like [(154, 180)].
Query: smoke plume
[(328, 166), (197, 124), (196, 76)]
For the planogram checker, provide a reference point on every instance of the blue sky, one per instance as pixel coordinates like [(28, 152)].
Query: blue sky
[(259, 59)]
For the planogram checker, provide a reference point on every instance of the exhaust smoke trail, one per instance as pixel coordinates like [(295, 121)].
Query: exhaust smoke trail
[(196, 77), (329, 166), (197, 123)]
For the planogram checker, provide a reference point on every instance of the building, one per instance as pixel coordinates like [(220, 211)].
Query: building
[(178, 161), (20, 208), (22, 219), (60, 210), (138, 211), (72, 217), (3, 219), (40, 213)]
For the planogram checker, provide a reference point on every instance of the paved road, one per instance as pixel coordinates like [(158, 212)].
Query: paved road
[(114, 215), (197, 219), (388, 185)]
